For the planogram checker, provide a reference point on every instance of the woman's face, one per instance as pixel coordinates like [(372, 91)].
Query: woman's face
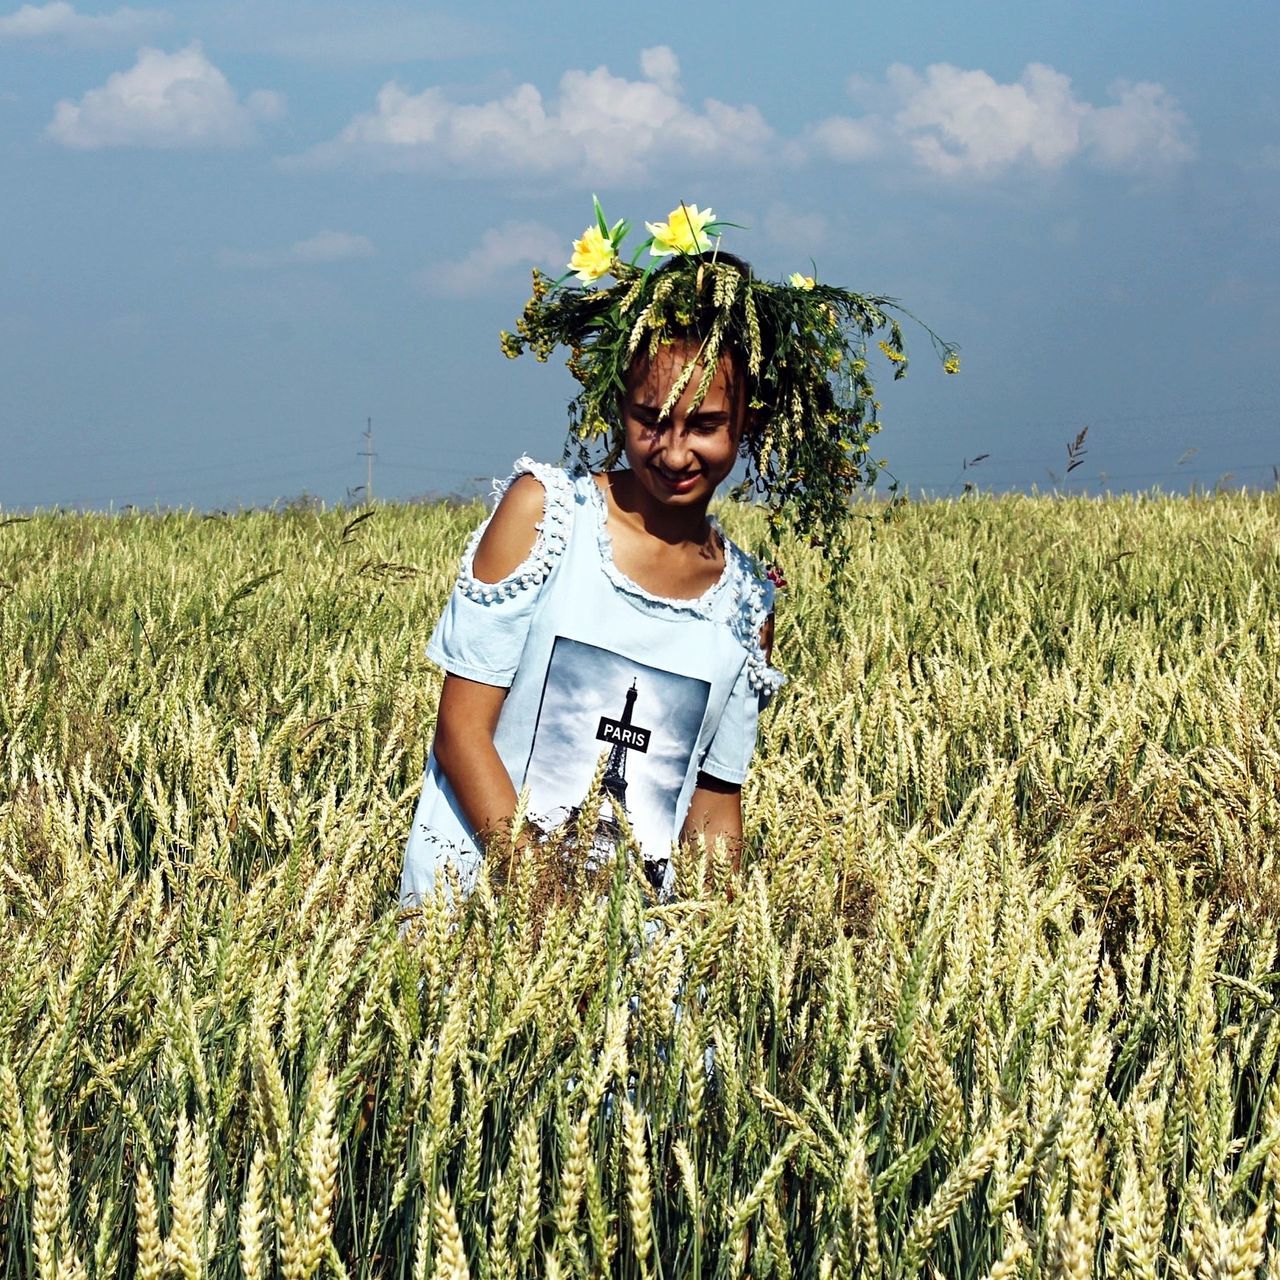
[(681, 459)]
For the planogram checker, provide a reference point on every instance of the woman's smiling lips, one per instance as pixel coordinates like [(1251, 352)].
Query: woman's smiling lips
[(680, 482)]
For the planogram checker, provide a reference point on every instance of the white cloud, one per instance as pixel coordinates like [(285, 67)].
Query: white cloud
[(1144, 130), (60, 21), (331, 246), (841, 138), (959, 121), (500, 251), (324, 246), (955, 122), (607, 129), (798, 232), (601, 127), (166, 100), (661, 66)]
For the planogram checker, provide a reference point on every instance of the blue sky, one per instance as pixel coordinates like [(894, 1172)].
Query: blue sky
[(234, 231)]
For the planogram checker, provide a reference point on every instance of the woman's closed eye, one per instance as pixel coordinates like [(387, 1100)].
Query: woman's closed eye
[(707, 426)]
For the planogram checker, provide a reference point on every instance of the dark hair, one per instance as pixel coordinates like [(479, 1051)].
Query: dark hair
[(699, 323), (801, 346)]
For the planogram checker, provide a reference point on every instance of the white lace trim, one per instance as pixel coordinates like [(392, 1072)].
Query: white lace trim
[(742, 573), (553, 535), (755, 604), (700, 605)]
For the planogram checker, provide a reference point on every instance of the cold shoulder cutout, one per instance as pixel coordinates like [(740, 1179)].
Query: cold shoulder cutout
[(552, 535), (481, 634), (755, 596)]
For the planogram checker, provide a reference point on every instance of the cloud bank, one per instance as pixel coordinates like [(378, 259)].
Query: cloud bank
[(945, 121), (600, 127), (60, 21), (958, 123), (165, 100), (323, 247)]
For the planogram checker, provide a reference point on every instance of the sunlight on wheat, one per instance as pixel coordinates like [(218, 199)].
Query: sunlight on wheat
[(994, 994)]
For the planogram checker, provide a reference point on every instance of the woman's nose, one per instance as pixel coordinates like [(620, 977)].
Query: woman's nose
[(676, 450)]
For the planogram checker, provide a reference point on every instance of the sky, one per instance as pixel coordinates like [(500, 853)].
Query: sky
[(232, 233)]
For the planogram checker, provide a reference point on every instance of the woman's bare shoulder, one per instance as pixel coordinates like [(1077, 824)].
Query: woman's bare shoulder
[(512, 530)]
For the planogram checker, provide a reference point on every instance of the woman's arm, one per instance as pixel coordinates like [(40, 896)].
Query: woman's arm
[(716, 813), (469, 710), (464, 750), (716, 808)]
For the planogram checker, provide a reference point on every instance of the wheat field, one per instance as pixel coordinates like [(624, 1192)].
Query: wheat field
[(995, 993)]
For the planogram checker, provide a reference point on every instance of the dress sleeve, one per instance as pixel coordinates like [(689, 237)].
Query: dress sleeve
[(728, 757), (482, 631)]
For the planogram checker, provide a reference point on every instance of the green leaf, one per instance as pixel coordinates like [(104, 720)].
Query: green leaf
[(600, 221)]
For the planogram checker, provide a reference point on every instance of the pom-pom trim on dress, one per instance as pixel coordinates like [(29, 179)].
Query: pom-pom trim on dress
[(742, 574), (553, 535)]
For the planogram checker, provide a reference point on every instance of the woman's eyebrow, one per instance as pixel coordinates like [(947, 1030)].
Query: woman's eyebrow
[(642, 404)]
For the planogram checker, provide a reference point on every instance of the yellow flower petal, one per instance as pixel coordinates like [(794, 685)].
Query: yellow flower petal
[(593, 255), (682, 232), (798, 281)]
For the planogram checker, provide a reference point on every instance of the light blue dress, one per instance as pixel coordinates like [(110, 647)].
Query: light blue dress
[(600, 674)]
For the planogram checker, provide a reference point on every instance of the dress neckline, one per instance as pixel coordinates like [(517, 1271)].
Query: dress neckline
[(692, 604)]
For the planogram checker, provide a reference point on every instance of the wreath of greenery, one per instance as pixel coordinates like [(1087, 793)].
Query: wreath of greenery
[(804, 346)]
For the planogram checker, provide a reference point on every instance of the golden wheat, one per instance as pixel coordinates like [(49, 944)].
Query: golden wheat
[(994, 992)]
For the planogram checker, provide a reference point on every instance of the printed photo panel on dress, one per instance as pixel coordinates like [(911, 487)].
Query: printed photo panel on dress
[(645, 720)]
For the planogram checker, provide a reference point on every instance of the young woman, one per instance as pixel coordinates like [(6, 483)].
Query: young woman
[(604, 630)]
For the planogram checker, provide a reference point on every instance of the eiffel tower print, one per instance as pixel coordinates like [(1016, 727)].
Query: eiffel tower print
[(623, 736), (631, 726)]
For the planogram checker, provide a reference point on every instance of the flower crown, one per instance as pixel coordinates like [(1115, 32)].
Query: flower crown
[(803, 345)]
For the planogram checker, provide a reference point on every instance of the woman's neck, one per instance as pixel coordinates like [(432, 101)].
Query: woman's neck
[(669, 524)]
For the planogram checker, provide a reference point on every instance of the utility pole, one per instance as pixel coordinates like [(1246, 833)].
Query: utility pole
[(368, 455)]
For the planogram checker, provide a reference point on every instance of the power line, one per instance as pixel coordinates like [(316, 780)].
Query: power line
[(136, 496), (232, 464), (1101, 477)]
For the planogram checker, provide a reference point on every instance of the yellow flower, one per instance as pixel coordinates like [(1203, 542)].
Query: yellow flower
[(896, 356), (797, 281), (682, 232), (593, 255), (951, 364)]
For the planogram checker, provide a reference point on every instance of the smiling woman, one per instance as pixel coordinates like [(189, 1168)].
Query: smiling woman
[(691, 448), (607, 647)]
